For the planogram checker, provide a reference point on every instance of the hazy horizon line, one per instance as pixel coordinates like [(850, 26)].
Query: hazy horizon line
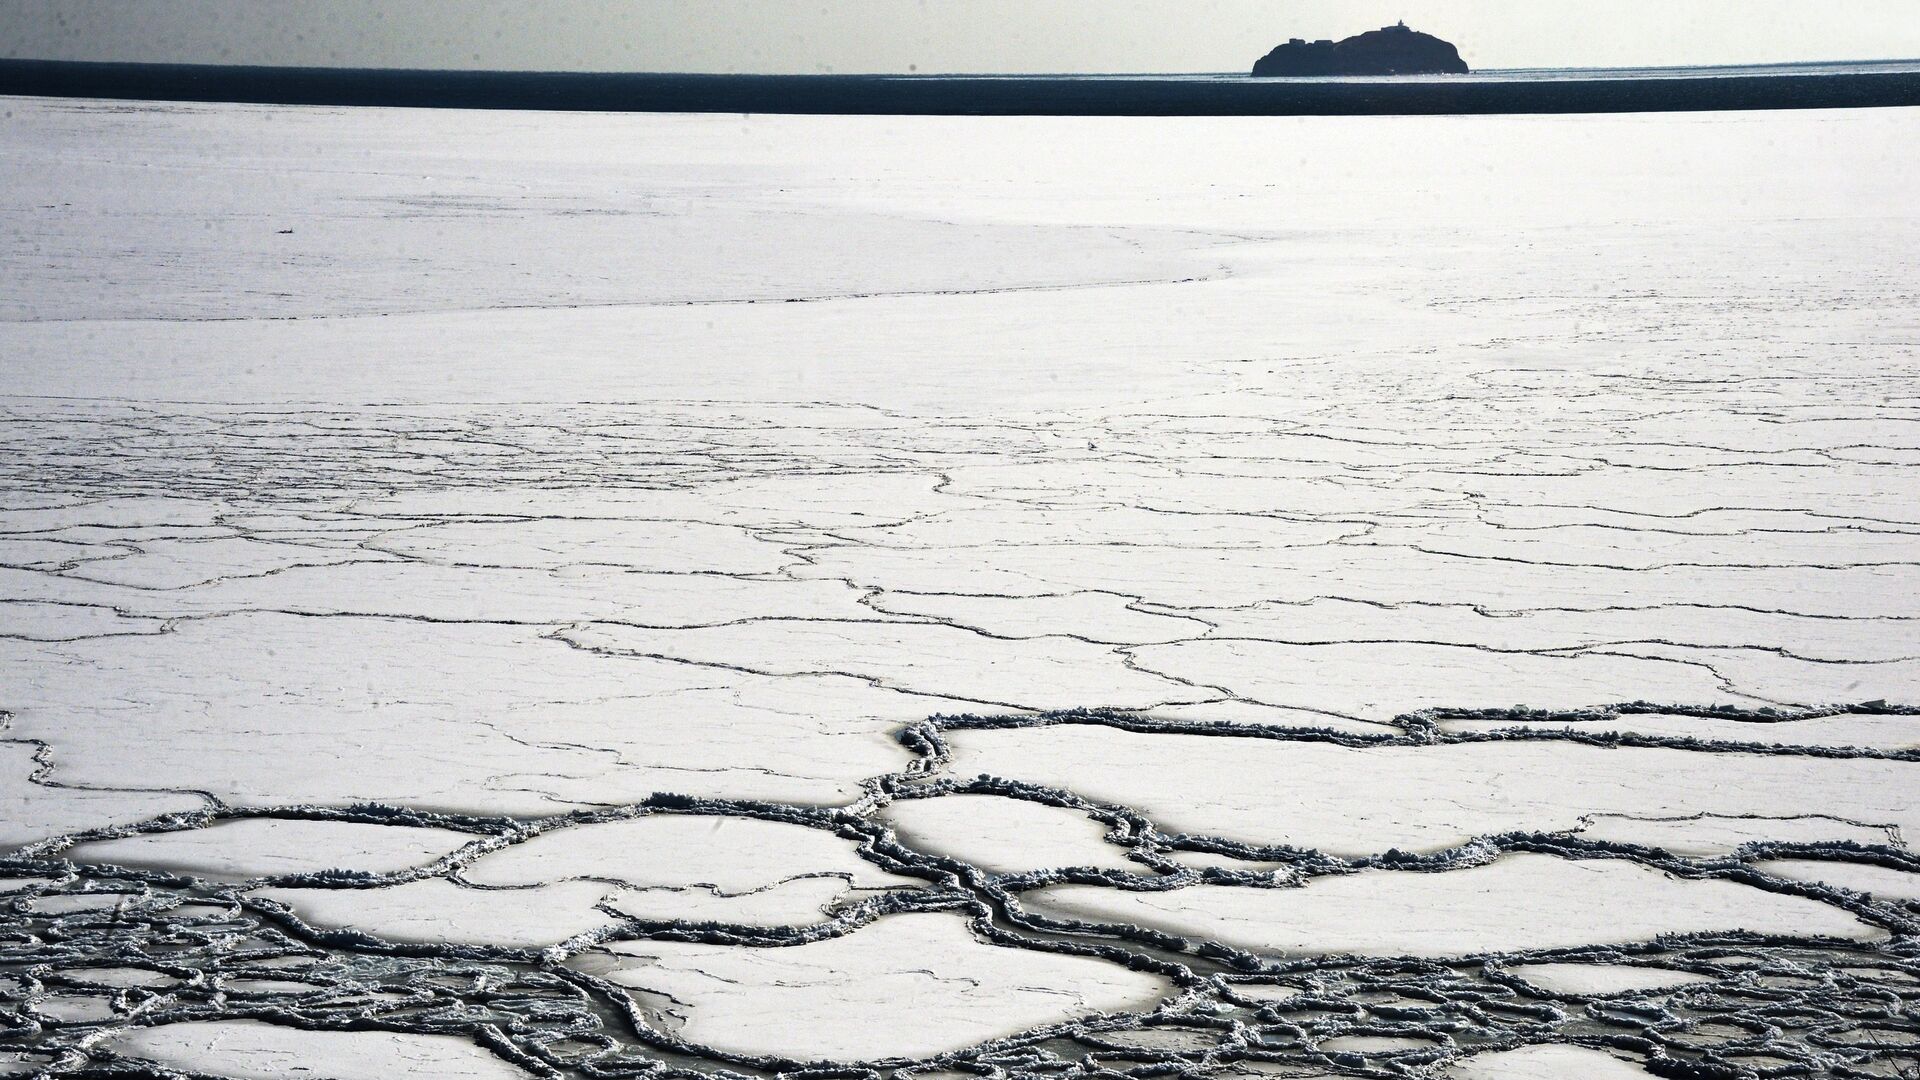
[(1896, 61)]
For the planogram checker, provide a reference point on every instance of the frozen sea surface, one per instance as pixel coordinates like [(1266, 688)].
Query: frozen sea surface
[(614, 596)]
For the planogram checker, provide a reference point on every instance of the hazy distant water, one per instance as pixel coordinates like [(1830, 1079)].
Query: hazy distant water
[(1519, 90), (1500, 75), (1848, 67)]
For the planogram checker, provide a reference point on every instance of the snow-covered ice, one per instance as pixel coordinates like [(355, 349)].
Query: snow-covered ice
[(503, 594), (1545, 1063), (1412, 913), (251, 1050), (248, 848), (1603, 978), (909, 986), (1366, 799)]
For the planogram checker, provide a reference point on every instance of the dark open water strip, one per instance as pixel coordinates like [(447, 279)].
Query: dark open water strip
[(1809, 86)]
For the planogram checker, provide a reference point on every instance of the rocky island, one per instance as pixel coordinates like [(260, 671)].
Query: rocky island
[(1390, 50)]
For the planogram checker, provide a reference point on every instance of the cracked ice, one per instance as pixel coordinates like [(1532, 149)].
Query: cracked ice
[(670, 596)]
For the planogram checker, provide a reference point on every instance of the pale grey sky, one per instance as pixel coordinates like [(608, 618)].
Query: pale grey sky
[(937, 35)]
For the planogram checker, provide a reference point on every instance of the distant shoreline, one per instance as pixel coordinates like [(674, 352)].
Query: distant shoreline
[(1809, 86)]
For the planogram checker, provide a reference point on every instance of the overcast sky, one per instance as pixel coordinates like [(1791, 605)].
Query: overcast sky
[(937, 35)]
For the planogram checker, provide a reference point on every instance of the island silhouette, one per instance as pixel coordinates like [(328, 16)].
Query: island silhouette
[(1390, 50)]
